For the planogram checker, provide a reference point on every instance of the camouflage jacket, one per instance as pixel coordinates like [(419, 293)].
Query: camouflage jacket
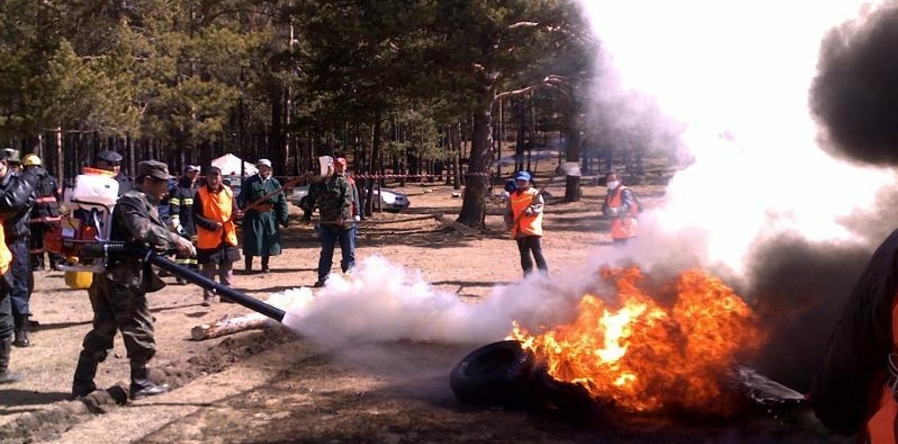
[(333, 197), (135, 219)]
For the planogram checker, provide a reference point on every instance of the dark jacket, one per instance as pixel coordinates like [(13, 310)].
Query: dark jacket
[(182, 198), (16, 202), (46, 192), (136, 220), (858, 353)]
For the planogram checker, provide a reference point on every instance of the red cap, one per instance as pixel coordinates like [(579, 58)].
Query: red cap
[(341, 160)]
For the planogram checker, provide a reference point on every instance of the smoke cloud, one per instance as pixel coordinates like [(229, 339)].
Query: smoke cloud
[(382, 302), (855, 95), (789, 225)]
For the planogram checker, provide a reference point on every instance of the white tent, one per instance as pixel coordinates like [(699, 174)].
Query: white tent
[(230, 166)]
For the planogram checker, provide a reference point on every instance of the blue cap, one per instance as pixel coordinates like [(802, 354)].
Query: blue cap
[(522, 175)]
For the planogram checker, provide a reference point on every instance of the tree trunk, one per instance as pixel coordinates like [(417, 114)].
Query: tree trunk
[(572, 157), (477, 177)]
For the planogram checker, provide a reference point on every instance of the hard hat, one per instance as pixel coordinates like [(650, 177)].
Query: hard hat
[(31, 160)]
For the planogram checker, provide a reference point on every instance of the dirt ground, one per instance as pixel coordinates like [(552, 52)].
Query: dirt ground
[(267, 386)]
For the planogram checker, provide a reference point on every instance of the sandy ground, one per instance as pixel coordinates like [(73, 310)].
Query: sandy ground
[(275, 385)]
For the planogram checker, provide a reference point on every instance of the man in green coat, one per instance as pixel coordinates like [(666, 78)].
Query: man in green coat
[(261, 234)]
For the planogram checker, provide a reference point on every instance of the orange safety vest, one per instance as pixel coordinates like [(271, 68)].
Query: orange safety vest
[(218, 207), (622, 227), (525, 225), (881, 426)]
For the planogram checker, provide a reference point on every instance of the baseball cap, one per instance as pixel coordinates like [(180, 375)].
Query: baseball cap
[(340, 160), (10, 155), (264, 162), (109, 156), (153, 168), (190, 168), (523, 176)]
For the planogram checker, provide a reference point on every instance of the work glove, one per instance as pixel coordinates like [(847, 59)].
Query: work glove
[(357, 218), (528, 211), (284, 224)]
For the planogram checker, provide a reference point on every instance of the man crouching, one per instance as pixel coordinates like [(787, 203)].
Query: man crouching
[(127, 280)]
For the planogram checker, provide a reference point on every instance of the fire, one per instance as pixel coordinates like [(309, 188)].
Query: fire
[(646, 357)]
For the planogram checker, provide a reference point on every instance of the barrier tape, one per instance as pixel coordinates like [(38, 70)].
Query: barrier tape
[(411, 176)]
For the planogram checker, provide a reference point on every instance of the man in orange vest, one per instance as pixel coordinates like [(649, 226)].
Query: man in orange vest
[(214, 211), (855, 386), (620, 206), (524, 217)]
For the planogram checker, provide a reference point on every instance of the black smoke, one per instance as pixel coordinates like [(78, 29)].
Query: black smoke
[(855, 95), (799, 291)]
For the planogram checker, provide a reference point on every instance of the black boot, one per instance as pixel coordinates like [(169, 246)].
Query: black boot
[(21, 332), (247, 265), (141, 386), (265, 268), (83, 382), (7, 376)]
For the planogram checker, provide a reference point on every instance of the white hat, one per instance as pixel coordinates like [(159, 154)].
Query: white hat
[(325, 162), (264, 162)]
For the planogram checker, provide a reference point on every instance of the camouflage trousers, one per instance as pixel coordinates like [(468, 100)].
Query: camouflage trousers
[(117, 308)]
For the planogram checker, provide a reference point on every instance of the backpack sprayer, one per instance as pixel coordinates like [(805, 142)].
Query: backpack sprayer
[(87, 220), (83, 238)]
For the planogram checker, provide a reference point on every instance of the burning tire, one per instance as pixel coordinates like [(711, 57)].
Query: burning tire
[(552, 394), (498, 374)]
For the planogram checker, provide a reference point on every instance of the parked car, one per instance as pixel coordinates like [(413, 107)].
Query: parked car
[(391, 200)]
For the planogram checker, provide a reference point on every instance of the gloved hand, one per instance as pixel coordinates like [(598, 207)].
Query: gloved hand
[(284, 224), (357, 218), (529, 212)]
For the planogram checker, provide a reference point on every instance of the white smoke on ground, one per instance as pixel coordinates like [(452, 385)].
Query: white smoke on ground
[(736, 75), (383, 302)]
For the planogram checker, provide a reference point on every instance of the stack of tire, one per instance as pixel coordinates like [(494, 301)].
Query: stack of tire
[(504, 375)]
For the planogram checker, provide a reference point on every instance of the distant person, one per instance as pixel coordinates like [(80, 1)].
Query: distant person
[(621, 207), (524, 218), (347, 263), (333, 197), (112, 161), (182, 195), (45, 214), (215, 211), (261, 231), (122, 302)]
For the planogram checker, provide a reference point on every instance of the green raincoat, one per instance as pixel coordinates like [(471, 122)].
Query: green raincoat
[(261, 234)]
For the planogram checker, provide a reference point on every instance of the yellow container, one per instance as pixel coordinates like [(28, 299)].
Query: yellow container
[(78, 279)]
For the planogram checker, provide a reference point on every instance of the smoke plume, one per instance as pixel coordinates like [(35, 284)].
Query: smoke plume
[(855, 95)]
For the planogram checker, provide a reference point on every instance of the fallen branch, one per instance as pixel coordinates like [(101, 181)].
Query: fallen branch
[(229, 325)]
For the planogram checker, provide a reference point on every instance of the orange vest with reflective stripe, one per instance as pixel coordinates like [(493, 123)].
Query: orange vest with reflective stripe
[(881, 426), (217, 207), (525, 225), (622, 227)]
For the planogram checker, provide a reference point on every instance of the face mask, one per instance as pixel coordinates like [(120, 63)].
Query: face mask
[(613, 184)]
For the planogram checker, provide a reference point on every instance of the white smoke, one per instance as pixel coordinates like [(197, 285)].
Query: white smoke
[(383, 302), (737, 74)]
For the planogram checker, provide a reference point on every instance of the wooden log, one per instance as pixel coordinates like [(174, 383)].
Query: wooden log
[(228, 325), (462, 228)]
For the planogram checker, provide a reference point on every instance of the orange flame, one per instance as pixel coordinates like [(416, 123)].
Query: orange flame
[(644, 357)]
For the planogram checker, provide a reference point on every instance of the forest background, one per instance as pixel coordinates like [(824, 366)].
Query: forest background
[(414, 88)]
